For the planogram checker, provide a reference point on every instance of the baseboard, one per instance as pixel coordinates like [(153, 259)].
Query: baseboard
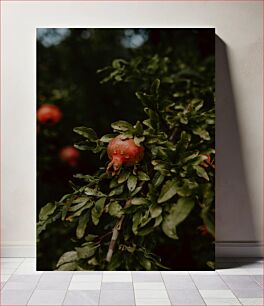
[(239, 249), (223, 249)]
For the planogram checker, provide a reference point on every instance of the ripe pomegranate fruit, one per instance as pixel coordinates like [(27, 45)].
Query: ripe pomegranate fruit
[(70, 155), (203, 230), (49, 113), (123, 151)]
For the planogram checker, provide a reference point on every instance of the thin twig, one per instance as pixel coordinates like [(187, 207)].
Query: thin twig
[(115, 234), (173, 133)]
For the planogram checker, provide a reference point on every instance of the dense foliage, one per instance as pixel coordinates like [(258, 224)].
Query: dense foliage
[(153, 207)]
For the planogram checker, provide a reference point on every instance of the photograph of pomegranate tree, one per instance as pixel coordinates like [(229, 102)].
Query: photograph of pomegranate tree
[(125, 149)]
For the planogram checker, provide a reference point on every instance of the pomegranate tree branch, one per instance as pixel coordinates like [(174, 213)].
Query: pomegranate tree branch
[(115, 234)]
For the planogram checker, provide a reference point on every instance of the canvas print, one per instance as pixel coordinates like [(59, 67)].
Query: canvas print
[(125, 149)]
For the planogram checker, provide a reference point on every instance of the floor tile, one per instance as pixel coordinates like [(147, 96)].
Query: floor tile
[(5, 277), (20, 285), (179, 273), (185, 297), (15, 297), (85, 286), (211, 273), (86, 278), (248, 293), (222, 301), (258, 279), (117, 286), (33, 278), (54, 281), (146, 277), (252, 301), (178, 282), (117, 297), (47, 297), (240, 282), (232, 271), (209, 282), (82, 297), (149, 286), (151, 294), (217, 294), (150, 302), (117, 277)]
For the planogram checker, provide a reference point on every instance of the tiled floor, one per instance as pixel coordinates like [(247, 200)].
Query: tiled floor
[(235, 282)]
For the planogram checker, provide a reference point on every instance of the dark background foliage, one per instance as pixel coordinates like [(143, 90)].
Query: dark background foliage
[(67, 61)]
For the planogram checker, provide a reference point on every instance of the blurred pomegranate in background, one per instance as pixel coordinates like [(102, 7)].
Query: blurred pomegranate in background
[(49, 113), (70, 155)]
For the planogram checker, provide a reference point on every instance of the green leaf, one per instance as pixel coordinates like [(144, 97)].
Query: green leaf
[(67, 257), (70, 266), (86, 132), (80, 230), (132, 182), (86, 206), (117, 191), (145, 263), (177, 213), (142, 176), (107, 137), (201, 172), (98, 210), (87, 251), (139, 201), (78, 206), (121, 125), (197, 104), (158, 179), (90, 237), (46, 211), (93, 192), (136, 221), (123, 176), (155, 87), (136, 191), (202, 133), (155, 211), (138, 140), (115, 209), (169, 189)]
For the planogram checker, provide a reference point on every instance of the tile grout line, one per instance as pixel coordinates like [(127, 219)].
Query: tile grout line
[(165, 288), (100, 288), (197, 287), (67, 290), (34, 288), (230, 287), (13, 272), (133, 288)]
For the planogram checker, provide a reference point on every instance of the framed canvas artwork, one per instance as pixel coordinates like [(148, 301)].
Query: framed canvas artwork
[(125, 149)]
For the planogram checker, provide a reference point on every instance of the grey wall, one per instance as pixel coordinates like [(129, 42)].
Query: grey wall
[(239, 103)]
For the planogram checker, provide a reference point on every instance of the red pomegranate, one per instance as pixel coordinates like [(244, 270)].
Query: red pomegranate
[(123, 151), (70, 155), (203, 230), (49, 113)]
